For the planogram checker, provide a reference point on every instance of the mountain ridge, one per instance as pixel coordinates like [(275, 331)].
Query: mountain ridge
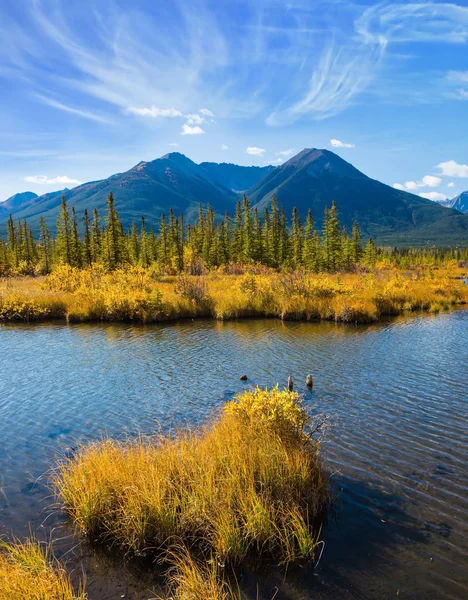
[(311, 179)]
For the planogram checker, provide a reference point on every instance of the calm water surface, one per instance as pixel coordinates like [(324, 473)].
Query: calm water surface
[(395, 394)]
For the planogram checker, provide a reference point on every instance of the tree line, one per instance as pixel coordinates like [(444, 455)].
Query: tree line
[(246, 238)]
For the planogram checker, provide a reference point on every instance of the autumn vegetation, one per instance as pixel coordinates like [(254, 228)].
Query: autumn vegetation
[(29, 572), (248, 485)]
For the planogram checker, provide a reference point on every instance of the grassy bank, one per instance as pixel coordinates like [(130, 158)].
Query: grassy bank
[(142, 296), (27, 572)]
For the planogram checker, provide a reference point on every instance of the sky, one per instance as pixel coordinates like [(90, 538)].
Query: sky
[(92, 87)]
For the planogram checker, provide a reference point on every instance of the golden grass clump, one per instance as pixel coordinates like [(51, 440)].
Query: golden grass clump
[(29, 573), (192, 579), (250, 483)]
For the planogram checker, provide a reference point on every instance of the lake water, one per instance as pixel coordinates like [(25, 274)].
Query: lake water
[(395, 395)]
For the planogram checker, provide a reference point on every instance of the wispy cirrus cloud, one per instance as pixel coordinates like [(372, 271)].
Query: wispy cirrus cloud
[(154, 111), (44, 180), (85, 114), (295, 60)]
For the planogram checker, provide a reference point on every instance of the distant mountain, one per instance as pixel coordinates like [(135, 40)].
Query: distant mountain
[(16, 201), (149, 189), (311, 179), (234, 177), (459, 203)]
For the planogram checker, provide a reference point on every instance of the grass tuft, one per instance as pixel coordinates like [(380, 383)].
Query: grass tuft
[(29, 573), (250, 483)]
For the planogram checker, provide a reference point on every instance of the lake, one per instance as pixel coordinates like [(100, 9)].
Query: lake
[(395, 396)]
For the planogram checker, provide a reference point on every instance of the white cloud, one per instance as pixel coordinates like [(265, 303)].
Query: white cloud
[(430, 181), (187, 130), (224, 147), (451, 168), (435, 196), (254, 151), (195, 119), (338, 144), (426, 181), (206, 112), (451, 185), (44, 180), (277, 161), (174, 145), (286, 153), (154, 111)]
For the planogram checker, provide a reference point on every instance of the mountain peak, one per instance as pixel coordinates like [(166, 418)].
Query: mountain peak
[(320, 160)]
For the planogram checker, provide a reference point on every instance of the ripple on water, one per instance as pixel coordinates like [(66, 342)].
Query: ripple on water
[(395, 395)]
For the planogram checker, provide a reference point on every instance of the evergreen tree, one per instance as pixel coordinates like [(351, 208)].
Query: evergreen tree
[(356, 250), (114, 238), (75, 245), (96, 238), (87, 258), (46, 245), (63, 241)]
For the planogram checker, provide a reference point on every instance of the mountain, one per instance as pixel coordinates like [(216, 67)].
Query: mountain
[(313, 178), (234, 177), (459, 203), (149, 189), (16, 201)]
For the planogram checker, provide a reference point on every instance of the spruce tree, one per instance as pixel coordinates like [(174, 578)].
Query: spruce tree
[(63, 240), (46, 245), (87, 258)]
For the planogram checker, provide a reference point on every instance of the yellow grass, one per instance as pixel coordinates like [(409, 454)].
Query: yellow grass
[(141, 295), (250, 483), (29, 573)]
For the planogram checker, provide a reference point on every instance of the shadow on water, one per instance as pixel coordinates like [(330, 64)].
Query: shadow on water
[(366, 528)]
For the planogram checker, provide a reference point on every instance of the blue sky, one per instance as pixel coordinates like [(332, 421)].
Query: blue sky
[(91, 87)]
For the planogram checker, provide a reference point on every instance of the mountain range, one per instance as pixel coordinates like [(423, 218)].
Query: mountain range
[(459, 203), (311, 179)]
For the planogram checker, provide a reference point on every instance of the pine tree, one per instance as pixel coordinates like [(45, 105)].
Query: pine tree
[(75, 245), (247, 231), (370, 254), (331, 239), (46, 245), (133, 245), (356, 250), (12, 244), (296, 240), (238, 236), (63, 240), (114, 238), (145, 258), (96, 238), (87, 257)]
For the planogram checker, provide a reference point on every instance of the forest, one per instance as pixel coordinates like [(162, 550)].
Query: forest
[(247, 238)]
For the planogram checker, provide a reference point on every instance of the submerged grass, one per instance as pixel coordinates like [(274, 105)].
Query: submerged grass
[(140, 295), (249, 484), (27, 572)]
